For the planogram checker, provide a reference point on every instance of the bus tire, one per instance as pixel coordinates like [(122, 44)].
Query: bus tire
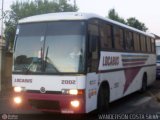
[(144, 83), (103, 99)]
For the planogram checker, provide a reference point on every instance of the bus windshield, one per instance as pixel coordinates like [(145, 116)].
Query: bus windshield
[(51, 47)]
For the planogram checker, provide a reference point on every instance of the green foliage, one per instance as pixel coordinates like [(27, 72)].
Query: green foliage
[(21, 10), (133, 22), (114, 16)]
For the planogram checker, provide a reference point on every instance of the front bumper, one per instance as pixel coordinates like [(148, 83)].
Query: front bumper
[(52, 102)]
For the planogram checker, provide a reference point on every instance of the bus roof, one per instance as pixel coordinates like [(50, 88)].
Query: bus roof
[(75, 16)]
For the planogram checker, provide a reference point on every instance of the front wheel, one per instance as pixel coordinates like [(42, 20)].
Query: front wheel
[(103, 99)]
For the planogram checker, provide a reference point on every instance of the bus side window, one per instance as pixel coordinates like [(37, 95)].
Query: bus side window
[(136, 42), (93, 43), (143, 43), (129, 40), (153, 45), (105, 36), (118, 38), (93, 47), (148, 40)]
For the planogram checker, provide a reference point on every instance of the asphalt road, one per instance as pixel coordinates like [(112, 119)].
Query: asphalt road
[(147, 104)]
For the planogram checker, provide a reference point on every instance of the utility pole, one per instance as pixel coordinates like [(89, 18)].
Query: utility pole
[(1, 47), (75, 5), (2, 22)]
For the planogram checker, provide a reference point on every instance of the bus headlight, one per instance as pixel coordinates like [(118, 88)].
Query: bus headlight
[(17, 100), (19, 89), (75, 103)]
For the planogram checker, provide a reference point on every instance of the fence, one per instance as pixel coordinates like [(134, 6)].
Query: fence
[(7, 75), (5, 70)]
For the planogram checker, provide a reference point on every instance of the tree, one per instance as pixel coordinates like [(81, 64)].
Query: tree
[(112, 14), (21, 10), (133, 22)]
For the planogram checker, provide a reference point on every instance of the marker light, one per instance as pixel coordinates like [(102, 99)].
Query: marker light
[(73, 92), (17, 89), (18, 100), (75, 103)]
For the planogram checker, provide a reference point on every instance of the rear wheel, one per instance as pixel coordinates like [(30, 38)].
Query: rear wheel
[(144, 83), (103, 99)]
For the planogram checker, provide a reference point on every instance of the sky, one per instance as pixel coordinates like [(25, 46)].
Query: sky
[(145, 11)]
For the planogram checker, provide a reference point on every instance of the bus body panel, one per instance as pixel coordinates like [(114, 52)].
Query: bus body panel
[(119, 77), (91, 91), (116, 81), (51, 83), (124, 71)]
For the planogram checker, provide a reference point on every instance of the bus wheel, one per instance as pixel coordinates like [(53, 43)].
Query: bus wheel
[(103, 99), (144, 84)]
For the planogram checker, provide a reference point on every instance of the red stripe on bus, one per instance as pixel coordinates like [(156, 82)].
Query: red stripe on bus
[(134, 63), (130, 75)]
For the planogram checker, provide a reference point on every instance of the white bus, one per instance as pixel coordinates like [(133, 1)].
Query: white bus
[(79, 62)]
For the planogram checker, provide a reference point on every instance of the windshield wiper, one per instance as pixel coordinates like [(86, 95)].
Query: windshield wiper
[(45, 61), (80, 68)]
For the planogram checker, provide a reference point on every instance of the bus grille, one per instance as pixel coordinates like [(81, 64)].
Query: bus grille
[(45, 104)]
